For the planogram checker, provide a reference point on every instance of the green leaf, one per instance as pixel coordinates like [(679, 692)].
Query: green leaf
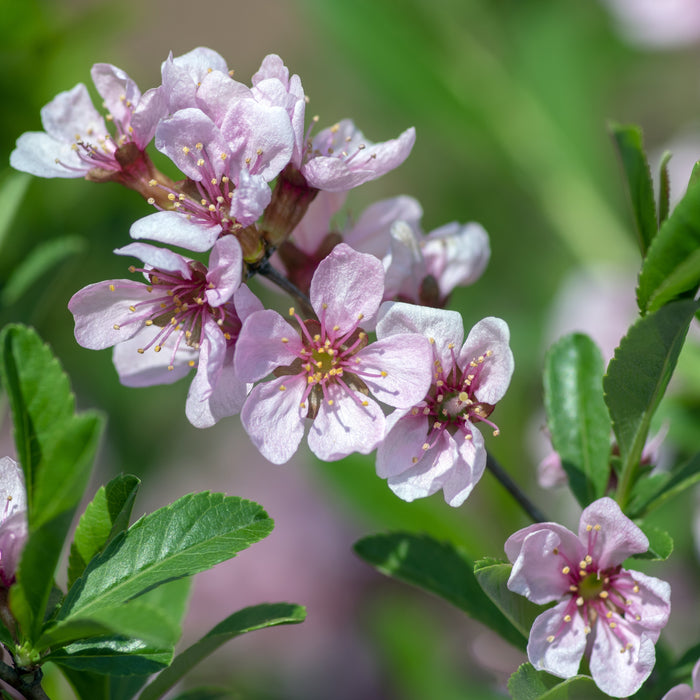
[(640, 187), (577, 417), (37, 265), (493, 579), (655, 490), (664, 187), (441, 569), (672, 265), (134, 619), (105, 516), (637, 378), (193, 534), (528, 684), (116, 657), (660, 543), (206, 694), (246, 620)]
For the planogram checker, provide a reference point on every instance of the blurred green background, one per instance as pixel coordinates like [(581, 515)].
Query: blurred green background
[(510, 100)]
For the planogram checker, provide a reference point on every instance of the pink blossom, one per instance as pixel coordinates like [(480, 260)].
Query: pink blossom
[(340, 158), (684, 691), (76, 141), (13, 519), (435, 444), (609, 614), (185, 316), (327, 371)]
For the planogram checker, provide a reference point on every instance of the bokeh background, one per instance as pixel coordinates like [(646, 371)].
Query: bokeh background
[(511, 100)]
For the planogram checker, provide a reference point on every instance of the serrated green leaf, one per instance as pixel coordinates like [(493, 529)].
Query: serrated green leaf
[(105, 516), (246, 620), (628, 139), (528, 684), (577, 417), (37, 265), (193, 534), (664, 187), (660, 543), (637, 378), (116, 657), (441, 569), (672, 264), (518, 610)]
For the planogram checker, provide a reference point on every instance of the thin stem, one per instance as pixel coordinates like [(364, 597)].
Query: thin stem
[(514, 490), (266, 270)]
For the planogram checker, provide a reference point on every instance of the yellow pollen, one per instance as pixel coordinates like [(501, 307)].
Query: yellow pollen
[(199, 146), (111, 287), (414, 460), (550, 639), (573, 588), (330, 402), (291, 311), (596, 527), (586, 630), (365, 403), (285, 340), (171, 197), (555, 550), (116, 326), (604, 594), (565, 570), (283, 387), (468, 436), (579, 601), (200, 162), (149, 322), (589, 528), (170, 368), (383, 373), (151, 201), (185, 149), (432, 341), (636, 588), (157, 348), (613, 625), (191, 363), (588, 558), (583, 564), (152, 183), (567, 618), (132, 308), (496, 432), (140, 351), (609, 614), (425, 446), (463, 396), (360, 317)]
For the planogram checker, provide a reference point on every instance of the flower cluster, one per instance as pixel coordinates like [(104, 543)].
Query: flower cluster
[(259, 196)]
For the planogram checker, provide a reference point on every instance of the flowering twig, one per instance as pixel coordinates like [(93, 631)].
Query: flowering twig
[(514, 490)]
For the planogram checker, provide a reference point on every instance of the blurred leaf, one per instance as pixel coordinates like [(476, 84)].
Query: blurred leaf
[(628, 139), (56, 449), (655, 490), (577, 417), (637, 378), (246, 620), (664, 187), (672, 265), (12, 190), (116, 657), (493, 578), (205, 694), (33, 269), (191, 535), (528, 684), (660, 543), (105, 516), (441, 569)]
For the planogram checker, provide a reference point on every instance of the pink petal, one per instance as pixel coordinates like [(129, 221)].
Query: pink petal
[(13, 494), (266, 341), (245, 302), (615, 673), (225, 268), (98, 307), (398, 369), (71, 117), (442, 328), (273, 419), (537, 570), (467, 469), (37, 153), (404, 267), (250, 198), (158, 258), (173, 228), (405, 434), (618, 537), (117, 90), (152, 107), (346, 426), (562, 656), (490, 335), (346, 287), (316, 224)]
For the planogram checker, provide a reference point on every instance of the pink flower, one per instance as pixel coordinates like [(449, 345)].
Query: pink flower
[(76, 141), (684, 691), (610, 615), (340, 158), (185, 316), (13, 519), (435, 444), (327, 371)]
